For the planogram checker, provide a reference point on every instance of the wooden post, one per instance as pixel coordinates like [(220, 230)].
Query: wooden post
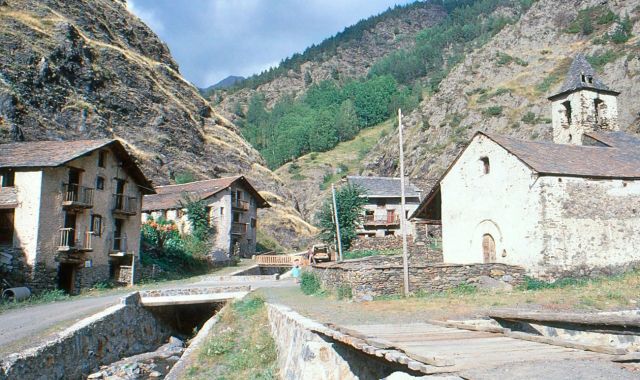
[(335, 211), (403, 227), (133, 268)]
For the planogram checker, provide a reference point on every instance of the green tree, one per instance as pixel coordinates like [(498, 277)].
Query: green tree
[(198, 215), (347, 121), (350, 201)]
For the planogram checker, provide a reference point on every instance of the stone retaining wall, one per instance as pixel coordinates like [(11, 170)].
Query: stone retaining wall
[(119, 331), (194, 290), (380, 275), (305, 354), (419, 248)]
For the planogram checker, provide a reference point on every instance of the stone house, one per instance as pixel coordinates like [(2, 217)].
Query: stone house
[(69, 212), (570, 207), (232, 204), (382, 212)]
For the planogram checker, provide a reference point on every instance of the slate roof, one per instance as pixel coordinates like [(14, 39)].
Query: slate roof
[(35, 154), (573, 82), (8, 197), (384, 187), (169, 197), (573, 160), (616, 139), (41, 154)]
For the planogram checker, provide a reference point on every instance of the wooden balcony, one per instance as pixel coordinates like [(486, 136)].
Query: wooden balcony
[(239, 228), (240, 205), (372, 221), (75, 196), (125, 205), (69, 242)]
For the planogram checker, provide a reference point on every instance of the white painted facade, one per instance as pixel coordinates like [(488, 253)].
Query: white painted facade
[(547, 224), (382, 217)]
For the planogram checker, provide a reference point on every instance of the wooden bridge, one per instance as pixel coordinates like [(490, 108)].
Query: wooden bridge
[(280, 260), (468, 351)]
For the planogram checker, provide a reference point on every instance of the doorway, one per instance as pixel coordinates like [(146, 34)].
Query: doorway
[(118, 241), (66, 277), (119, 194), (391, 216), (70, 222), (488, 248)]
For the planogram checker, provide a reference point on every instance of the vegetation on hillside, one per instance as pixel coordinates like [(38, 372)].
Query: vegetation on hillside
[(469, 24), (350, 201), (326, 115)]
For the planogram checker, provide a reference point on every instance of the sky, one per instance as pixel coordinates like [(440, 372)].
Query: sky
[(212, 39)]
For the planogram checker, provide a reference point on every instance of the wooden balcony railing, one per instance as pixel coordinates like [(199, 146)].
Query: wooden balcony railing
[(372, 220), (77, 196), (240, 205), (239, 228), (69, 242), (123, 204), (275, 260)]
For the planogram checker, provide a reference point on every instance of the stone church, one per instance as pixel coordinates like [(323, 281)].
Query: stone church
[(570, 207)]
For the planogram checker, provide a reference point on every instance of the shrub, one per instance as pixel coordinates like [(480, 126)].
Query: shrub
[(493, 111), (310, 283), (344, 292), (529, 118), (184, 177), (598, 61)]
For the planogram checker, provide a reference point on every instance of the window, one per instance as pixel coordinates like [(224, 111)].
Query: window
[(486, 167), (253, 223), (100, 183), (96, 225), (6, 226), (567, 111), (102, 158), (8, 179), (597, 105), (236, 217), (221, 211)]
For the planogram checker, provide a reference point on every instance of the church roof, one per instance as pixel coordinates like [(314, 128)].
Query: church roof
[(616, 139), (573, 160), (384, 187), (582, 76)]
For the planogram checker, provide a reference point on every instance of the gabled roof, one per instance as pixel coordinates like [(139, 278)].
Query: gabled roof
[(581, 69), (42, 154), (169, 197), (616, 139), (384, 187), (621, 161), (573, 160)]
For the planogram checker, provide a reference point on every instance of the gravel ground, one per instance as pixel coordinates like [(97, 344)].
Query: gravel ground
[(555, 369)]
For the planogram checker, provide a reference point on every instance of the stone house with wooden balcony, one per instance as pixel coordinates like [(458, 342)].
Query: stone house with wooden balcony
[(69, 212), (570, 207), (232, 204), (382, 212)]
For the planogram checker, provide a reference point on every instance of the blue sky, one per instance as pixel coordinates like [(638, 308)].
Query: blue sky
[(212, 39)]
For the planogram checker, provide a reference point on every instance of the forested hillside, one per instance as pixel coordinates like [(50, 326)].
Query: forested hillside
[(334, 110)]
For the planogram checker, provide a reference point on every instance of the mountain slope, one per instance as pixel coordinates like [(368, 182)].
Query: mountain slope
[(347, 55), (502, 86), (227, 82), (89, 69)]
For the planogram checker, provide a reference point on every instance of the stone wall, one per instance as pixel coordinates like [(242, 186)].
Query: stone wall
[(424, 248), (379, 275), (119, 331), (194, 290), (305, 354)]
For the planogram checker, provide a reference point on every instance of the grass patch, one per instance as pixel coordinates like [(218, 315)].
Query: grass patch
[(492, 111), (360, 253), (240, 346), (598, 61)]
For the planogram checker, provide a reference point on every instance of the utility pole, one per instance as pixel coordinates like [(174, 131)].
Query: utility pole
[(405, 258), (335, 214)]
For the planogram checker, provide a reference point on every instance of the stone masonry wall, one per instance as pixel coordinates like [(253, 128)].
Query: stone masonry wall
[(305, 354), (119, 331), (416, 248), (377, 276)]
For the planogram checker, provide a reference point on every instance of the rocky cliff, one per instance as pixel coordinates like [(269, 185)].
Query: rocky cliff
[(90, 69), (503, 86)]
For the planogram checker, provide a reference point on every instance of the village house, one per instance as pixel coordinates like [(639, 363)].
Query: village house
[(382, 212), (570, 207), (69, 212), (232, 204)]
